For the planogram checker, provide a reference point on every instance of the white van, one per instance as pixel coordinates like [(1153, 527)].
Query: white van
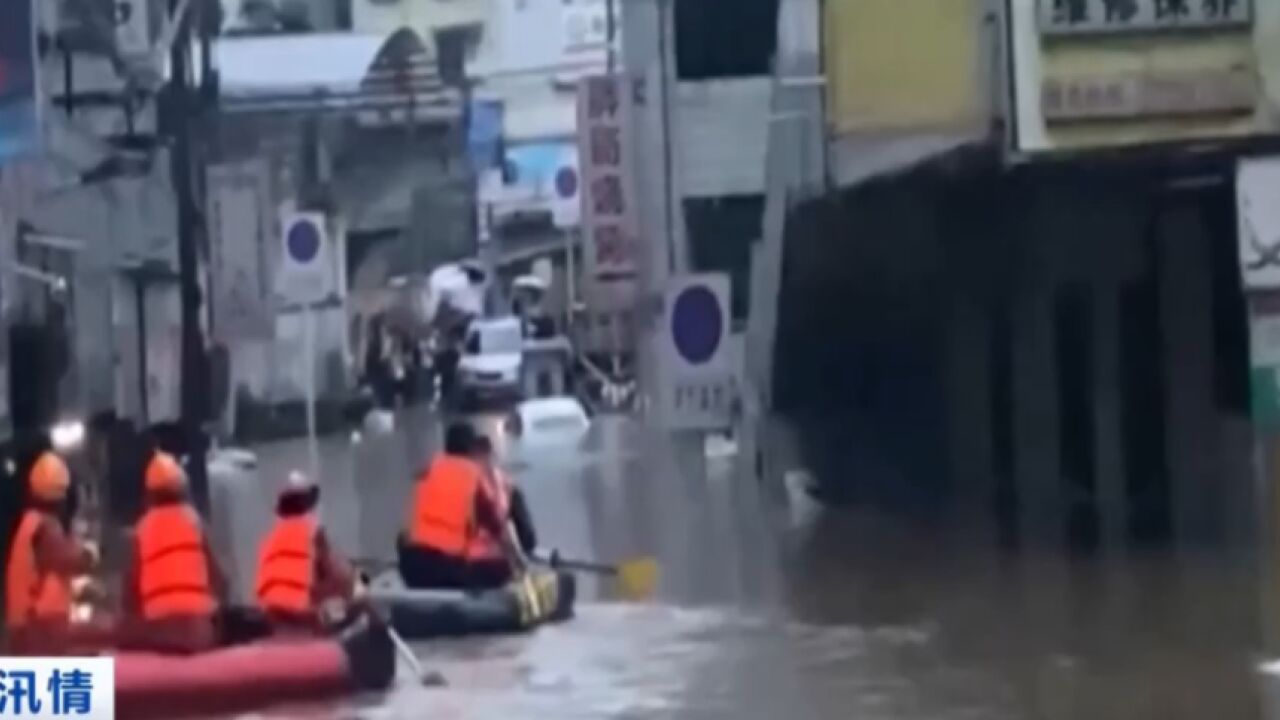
[(490, 365)]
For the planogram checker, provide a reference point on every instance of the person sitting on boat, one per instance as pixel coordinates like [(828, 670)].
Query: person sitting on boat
[(44, 561), (451, 518), (508, 498), (299, 571), (174, 585)]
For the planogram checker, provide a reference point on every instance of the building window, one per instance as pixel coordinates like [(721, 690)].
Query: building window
[(724, 39)]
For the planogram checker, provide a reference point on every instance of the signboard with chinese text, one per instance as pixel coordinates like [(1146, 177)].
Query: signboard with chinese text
[(19, 106), (1091, 90), (1258, 211), (699, 386), (1149, 95), (306, 273), (240, 231), (609, 224), (1073, 17), (42, 688)]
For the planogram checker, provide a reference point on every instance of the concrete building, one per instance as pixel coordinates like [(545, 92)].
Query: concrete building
[(360, 128), (80, 208), (357, 126), (703, 132), (1012, 281)]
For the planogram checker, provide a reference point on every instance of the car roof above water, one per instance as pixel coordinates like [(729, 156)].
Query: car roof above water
[(551, 407)]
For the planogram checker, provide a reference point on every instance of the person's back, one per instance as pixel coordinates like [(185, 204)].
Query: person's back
[(443, 546), (173, 571), (42, 562), (298, 570), (174, 585)]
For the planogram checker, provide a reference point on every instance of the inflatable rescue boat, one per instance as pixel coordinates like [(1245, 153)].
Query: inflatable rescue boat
[(543, 597), (255, 675)]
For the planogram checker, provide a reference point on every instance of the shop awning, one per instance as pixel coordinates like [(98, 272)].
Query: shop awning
[(384, 79)]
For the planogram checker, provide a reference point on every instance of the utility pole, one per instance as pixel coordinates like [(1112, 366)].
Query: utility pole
[(180, 107)]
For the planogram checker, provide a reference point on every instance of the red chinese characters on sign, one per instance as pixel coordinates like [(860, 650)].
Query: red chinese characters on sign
[(608, 217), (606, 146), (602, 99)]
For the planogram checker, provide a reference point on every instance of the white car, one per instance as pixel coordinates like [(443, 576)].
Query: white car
[(490, 364), (547, 422)]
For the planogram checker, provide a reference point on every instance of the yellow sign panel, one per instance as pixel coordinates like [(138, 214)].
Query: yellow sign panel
[(877, 81)]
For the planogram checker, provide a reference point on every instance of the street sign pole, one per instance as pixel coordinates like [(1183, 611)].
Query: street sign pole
[(307, 278), (309, 351)]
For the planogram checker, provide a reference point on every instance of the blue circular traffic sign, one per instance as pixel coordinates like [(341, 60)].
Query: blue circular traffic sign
[(303, 242), (697, 325), (566, 182)]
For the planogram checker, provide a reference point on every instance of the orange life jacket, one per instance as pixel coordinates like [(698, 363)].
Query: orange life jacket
[(444, 506), (30, 592), (286, 565), (174, 574), (483, 545)]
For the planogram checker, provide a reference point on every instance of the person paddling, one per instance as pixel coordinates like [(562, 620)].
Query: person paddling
[(299, 571), (43, 562), (454, 526), (174, 586), (508, 498)]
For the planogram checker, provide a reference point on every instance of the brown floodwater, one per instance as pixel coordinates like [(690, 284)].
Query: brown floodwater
[(772, 607)]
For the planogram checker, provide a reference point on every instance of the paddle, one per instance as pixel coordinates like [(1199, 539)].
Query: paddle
[(520, 567), (427, 678), (636, 578)]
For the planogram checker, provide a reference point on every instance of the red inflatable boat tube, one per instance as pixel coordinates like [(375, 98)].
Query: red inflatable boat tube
[(254, 676)]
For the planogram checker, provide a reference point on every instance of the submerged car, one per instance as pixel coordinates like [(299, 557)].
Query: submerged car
[(547, 422)]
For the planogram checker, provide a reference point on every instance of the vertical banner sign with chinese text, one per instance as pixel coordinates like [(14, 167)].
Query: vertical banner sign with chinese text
[(19, 110), (241, 223), (608, 203), (45, 688)]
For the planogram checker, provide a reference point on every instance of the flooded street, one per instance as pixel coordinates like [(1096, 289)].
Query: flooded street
[(770, 607)]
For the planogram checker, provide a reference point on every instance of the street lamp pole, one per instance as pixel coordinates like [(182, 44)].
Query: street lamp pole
[(177, 121)]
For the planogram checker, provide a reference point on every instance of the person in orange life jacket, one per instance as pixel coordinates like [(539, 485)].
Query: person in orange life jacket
[(450, 518), (508, 497), (298, 570), (42, 564), (174, 586)]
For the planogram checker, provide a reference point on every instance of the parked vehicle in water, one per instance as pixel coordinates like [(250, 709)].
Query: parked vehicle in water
[(490, 362)]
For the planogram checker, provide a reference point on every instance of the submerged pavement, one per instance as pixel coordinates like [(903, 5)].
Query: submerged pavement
[(771, 607)]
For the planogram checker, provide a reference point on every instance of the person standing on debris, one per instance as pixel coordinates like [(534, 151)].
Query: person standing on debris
[(43, 564), (298, 569), (174, 586)]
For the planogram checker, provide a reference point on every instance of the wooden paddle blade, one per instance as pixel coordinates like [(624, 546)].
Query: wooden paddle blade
[(637, 579)]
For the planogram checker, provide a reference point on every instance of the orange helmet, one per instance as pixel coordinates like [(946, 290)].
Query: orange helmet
[(49, 478), (164, 473)]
